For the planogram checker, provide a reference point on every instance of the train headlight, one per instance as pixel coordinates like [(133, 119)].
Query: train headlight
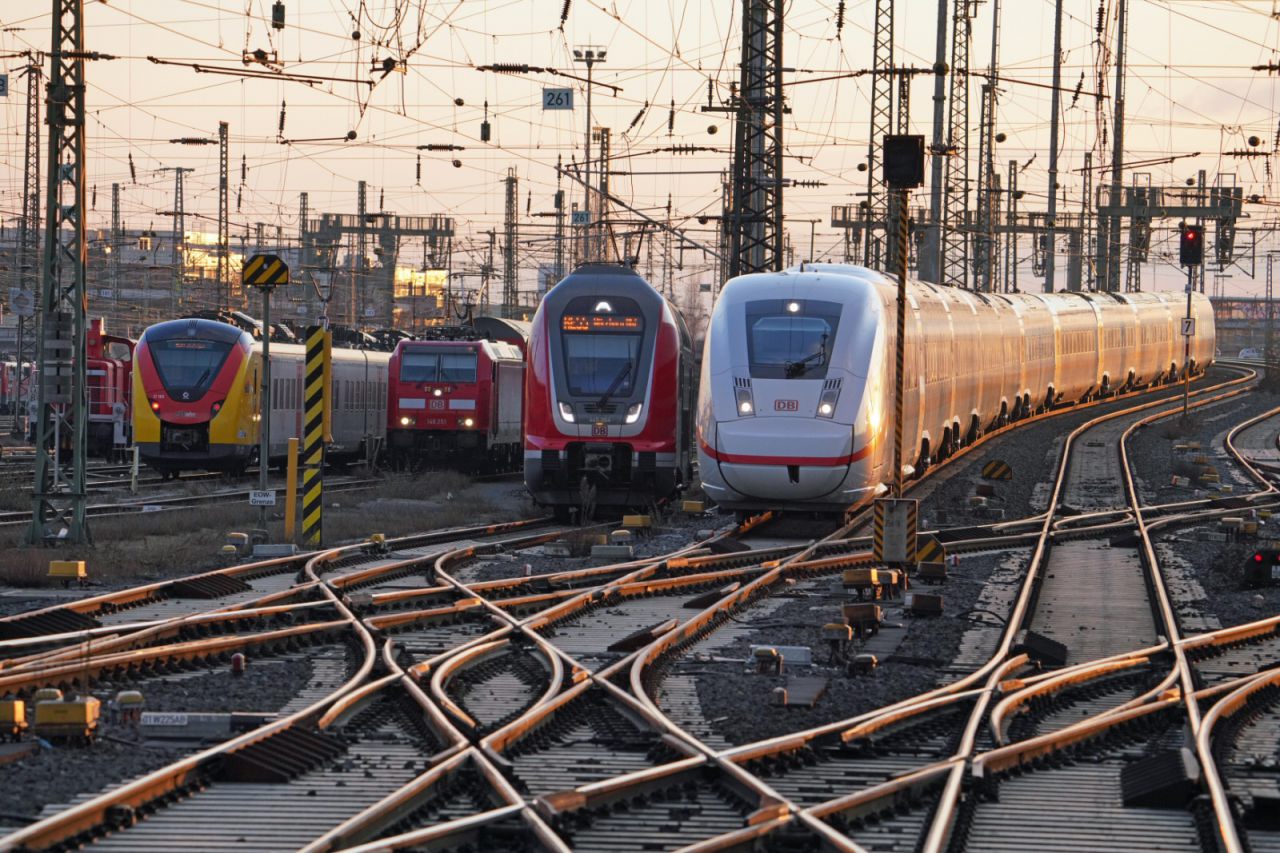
[(742, 396), (566, 412), (468, 422), (827, 403), (155, 405), (405, 420), (436, 393), (633, 413)]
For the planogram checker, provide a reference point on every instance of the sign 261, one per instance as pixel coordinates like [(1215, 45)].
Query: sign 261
[(557, 99)]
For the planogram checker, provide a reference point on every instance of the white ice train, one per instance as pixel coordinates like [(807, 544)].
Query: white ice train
[(795, 404)]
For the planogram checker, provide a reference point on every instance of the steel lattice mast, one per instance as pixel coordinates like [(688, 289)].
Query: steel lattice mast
[(955, 244), (58, 511), (510, 296), (881, 125), (224, 224), (755, 226)]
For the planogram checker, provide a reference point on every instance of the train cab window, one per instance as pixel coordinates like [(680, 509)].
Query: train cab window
[(187, 366), (791, 338), (602, 339)]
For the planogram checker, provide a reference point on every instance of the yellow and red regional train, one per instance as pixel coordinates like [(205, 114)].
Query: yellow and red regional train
[(196, 385)]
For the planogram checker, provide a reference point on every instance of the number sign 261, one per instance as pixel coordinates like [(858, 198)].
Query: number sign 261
[(557, 99)]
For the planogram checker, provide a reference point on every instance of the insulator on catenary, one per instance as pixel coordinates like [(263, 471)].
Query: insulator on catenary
[(671, 118), (564, 12), (133, 173), (244, 168), (238, 191), (382, 197), (639, 116), (839, 18), (282, 106), (93, 198), (418, 174)]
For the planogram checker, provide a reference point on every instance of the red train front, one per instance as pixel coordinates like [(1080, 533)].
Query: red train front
[(458, 401), (107, 367), (610, 389)]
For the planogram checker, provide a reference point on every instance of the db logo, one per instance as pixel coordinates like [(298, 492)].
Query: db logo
[(786, 405), (600, 429), (436, 404)]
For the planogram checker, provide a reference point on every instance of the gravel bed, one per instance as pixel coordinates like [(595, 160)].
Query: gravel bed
[(1155, 464), (1031, 451), (1206, 579), (11, 605), (739, 702), (674, 533), (59, 772)]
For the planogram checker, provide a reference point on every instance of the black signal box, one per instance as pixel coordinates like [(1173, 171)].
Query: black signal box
[(904, 161), (1191, 246)]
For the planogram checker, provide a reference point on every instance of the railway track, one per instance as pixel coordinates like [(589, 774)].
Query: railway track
[(561, 711)]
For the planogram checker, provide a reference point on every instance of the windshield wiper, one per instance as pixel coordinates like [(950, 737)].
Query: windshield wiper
[(796, 368), (200, 381), (613, 386)]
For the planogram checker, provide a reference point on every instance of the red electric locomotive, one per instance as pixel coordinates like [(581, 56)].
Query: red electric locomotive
[(610, 392), (455, 398)]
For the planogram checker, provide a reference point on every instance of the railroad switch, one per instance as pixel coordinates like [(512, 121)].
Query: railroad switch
[(863, 619), (873, 583), (1043, 650), (378, 543), (923, 604), (769, 662), (931, 573), (838, 636), (863, 664), (69, 571)]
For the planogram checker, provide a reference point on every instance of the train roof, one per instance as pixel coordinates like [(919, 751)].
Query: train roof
[(502, 329), (194, 328)]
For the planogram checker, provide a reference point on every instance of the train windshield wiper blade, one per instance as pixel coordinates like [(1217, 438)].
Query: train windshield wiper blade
[(614, 385), (796, 368)]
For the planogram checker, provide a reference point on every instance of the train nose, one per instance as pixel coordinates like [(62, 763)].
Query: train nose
[(761, 458)]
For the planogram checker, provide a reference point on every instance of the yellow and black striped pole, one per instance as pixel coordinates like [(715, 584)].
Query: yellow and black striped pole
[(901, 370), (316, 404)]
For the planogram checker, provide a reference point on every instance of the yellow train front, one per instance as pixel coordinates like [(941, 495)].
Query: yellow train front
[(195, 392)]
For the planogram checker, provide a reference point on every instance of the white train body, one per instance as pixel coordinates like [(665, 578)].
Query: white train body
[(795, 404)]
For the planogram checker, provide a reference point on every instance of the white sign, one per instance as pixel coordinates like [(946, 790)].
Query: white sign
[(1188, 326), (580, 217), (557, 99), (4, 85), (22, 302), (163, 718), (262, 498), (894, 530)]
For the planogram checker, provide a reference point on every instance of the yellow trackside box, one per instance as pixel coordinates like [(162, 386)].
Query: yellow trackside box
[(69, 569), (860, 577), (637, 521), (67, 718), (693, 507), (13, 717)]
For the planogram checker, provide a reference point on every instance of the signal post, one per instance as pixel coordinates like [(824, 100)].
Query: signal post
[(895, 519), (1191, 256), (264, 272)]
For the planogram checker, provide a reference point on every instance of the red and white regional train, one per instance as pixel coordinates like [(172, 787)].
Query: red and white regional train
[(796, 397), (609, 393), (456, 400)]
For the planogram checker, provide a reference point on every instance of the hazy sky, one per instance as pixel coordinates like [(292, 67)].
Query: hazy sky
[(1190, 89)]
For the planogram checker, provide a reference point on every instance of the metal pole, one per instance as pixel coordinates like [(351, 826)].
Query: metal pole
[(931, 257), (586, 187), (1050, 257), (264, 406), (1186, 359), (901, 369)]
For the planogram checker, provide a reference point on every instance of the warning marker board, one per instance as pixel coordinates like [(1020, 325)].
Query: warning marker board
[(264, 271), (316, 406), (893, 529), (997, 470), (930, 550)]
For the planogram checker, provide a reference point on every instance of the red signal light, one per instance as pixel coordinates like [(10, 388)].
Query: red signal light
[(1257, 558)]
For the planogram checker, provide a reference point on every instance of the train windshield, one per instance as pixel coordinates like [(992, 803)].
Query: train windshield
[(791, 338), (426, 365), (601, 364), (187, 366)]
